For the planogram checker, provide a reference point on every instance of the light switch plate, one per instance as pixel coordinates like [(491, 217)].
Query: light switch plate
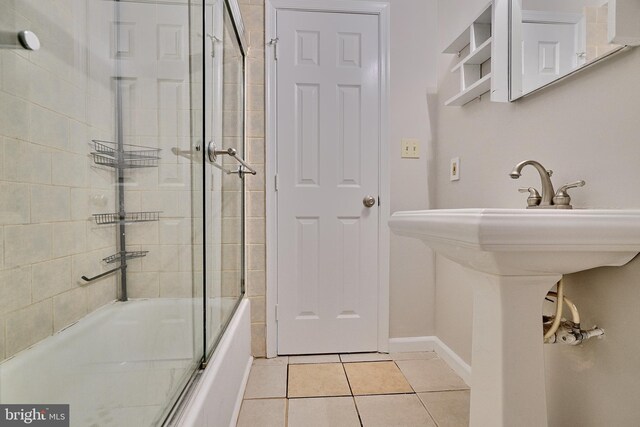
[(410, 148), (454, 169)]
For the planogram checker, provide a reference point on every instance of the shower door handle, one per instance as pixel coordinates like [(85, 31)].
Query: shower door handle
[(213, 153)]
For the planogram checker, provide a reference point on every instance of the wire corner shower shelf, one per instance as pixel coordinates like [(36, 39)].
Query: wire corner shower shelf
[(122, 156)]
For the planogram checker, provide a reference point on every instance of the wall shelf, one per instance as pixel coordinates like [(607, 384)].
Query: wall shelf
[(477, 57), (478, 37), (470, 93)]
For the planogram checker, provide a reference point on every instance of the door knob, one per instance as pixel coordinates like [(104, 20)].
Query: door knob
[(369, 201)]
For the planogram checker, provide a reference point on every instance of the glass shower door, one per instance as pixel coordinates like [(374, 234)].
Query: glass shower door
[(224, 172), (101, 206)]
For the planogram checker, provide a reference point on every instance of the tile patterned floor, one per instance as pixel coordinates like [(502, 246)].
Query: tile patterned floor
[(367, 389)]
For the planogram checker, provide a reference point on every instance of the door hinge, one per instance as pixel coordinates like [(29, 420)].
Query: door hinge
[(378, 200), (214, 40), (276, 312), (275, 181), (274, 43)]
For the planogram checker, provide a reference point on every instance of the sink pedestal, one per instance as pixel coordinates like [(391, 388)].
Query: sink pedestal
[(507, 376), (518, 255)]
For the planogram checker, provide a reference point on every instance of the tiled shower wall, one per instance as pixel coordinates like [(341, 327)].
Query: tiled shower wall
[(253, 17), (52, 102), (596, 28)]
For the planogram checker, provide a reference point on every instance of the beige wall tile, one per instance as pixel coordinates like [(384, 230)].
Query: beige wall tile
[(255, 124), (27, 244), (256, 182), (252, 16), (256, 257), (15, 205), (101, 293), (255, 231), (258, 340), (2, 345), (255, 204), (28, 326), (15, 289), (50, 203), (26, 162), (143, 285), (176, 285), (51, 278), (255, 71), (255, 148), (69, 307), (257, 310), (14, 116), (69, 238), (48, 128), (69, 169), (255, 95), (256, 283)]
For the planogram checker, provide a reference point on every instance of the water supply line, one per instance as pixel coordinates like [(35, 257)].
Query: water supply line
[(568, 332), (558, 317)]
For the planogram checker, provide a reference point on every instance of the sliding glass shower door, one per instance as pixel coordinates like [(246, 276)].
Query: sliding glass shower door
[(225, 169), (101, 206)]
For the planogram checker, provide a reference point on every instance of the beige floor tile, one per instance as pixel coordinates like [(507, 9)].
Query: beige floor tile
[(266, 381), (315, 358), (323, 412), (364, 357), (448, 408), (274, 361), (431, 375), (400, 410), (321, 379), (376, 378), (263, 413), (414, 355)]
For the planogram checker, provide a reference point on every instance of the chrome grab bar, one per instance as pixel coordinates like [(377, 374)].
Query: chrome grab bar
[(213, 154)]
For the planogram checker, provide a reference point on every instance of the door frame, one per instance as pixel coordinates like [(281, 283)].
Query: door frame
[(381, 10)]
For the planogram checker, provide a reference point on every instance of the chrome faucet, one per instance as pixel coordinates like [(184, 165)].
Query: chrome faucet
[(548, 199)]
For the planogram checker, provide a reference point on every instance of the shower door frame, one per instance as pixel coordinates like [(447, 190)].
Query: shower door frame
[(381, 10)]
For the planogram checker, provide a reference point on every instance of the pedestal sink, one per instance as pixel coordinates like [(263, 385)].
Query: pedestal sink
[(518, 255)]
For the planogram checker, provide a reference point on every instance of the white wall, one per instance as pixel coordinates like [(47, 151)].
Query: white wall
[(413, 82), (584, 128)]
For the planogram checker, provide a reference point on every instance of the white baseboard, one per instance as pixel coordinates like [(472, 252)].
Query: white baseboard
[(432, 343)]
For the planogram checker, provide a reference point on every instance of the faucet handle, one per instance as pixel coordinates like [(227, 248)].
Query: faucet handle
[(534, 198), (562, 199)]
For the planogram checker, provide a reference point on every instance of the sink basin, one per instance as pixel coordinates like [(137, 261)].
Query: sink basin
[(518, 256), (526, 241)]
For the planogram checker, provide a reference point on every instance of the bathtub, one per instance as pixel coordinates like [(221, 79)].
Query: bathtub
[(122, 364)]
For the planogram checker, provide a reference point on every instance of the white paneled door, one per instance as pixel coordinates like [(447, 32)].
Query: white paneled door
[(328, 109), (549, 51)]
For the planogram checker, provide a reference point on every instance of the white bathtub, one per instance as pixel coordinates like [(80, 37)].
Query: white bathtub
[(118, 366)]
